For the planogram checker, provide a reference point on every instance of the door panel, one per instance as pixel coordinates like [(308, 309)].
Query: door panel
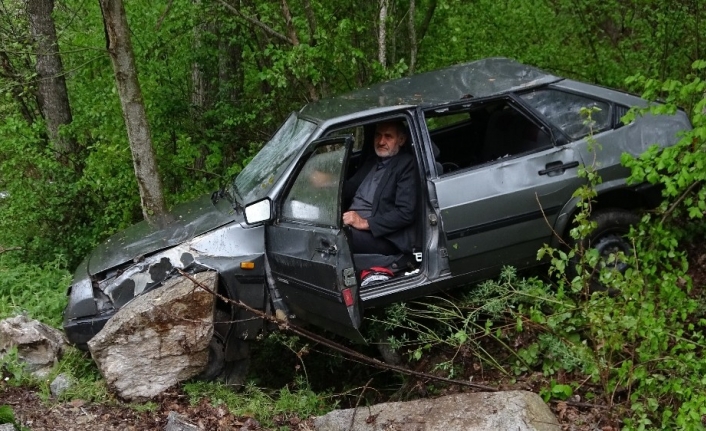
[(308, 251), (502, 213)]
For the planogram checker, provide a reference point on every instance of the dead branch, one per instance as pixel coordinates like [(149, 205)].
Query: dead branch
[(549, 225), (286, 326), (357, 402)]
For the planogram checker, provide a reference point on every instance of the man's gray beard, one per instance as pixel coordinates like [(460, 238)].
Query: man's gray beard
[(390, 154)]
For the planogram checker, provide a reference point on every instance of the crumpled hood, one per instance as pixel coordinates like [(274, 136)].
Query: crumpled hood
[(186, 221)]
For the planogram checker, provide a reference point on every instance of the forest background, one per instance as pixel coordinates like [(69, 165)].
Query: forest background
[(219, 76)]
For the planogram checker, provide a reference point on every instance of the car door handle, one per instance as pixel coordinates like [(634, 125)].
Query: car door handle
[(556, 168), (327, 247)]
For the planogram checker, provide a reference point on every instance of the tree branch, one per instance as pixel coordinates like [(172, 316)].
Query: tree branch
[(427, 20), (164, 15), (3, 249), (311, 18), (258, 23), (288, 21), (284, 325), (678, 201)]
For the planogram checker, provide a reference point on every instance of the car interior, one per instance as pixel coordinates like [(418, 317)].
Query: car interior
[(469, 137), (400, 264)]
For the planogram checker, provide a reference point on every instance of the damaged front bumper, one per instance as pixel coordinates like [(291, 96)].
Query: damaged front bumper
[(82, 319), (94, 300)]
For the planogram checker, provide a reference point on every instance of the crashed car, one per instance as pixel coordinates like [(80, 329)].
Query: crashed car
[(498, 146)]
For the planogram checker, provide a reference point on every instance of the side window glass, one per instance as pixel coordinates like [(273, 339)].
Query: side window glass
[(480, 133), (356, 132), (313, 197), (564, 110)]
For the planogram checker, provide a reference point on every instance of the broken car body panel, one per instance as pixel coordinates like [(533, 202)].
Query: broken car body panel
[(182, 224), (498, 146)]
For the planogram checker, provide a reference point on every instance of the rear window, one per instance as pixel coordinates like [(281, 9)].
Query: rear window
[(564, 111)]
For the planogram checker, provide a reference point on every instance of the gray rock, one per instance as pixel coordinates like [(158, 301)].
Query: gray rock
[(7, 427), (158, 339), (39, 346), (514, 410), (60, 384), (175, 422)]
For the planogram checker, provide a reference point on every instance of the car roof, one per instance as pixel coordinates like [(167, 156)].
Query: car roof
[(479, 78)]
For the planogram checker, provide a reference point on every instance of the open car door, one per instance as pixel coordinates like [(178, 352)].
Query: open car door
[(307, 249)]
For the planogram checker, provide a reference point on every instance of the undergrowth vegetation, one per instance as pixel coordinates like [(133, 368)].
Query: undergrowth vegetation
[(263, 404), (33, 289)]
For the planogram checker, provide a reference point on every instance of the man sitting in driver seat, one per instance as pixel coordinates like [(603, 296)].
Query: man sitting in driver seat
[(383, 196)]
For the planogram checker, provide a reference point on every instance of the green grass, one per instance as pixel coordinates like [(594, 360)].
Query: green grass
[(38, 291), (255, 402)]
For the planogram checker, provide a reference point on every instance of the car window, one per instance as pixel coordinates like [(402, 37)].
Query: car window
[(564, 110), (357, 133), (256, 179), (478, 133), (313, 197)]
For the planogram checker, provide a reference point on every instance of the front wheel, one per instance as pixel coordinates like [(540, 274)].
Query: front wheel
[(231, 366)]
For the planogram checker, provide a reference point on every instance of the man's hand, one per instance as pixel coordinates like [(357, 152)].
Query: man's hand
[(321, 179), (352, 219)]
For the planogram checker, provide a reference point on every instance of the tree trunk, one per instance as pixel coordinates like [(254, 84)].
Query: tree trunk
[(382, 33), (427, 20), (412, 38), (119, 47), (52, 96), (294, 40), (231, 76), (202, 93), (202, 81)]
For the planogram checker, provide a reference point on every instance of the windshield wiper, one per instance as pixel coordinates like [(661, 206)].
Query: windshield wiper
[(225, 191), (234, 198)]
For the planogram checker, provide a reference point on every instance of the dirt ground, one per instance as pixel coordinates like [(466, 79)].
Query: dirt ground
[(31, 412)]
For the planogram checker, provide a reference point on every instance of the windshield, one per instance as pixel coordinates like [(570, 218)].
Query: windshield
[(264, 170)]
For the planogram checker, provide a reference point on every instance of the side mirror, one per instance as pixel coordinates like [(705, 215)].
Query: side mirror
[(258, 212)]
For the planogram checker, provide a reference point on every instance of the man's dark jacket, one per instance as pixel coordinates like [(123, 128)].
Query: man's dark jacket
[(395, 200)]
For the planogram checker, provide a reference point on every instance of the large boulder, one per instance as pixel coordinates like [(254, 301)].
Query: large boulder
[(513, 410), (39, 346), (158, 339)]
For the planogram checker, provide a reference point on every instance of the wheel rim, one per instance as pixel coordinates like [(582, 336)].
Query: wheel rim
[(612, 244)]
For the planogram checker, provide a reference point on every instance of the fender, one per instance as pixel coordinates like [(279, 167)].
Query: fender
[(610, 194)]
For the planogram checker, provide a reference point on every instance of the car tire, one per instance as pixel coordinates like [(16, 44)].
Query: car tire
[(216, 360), (389, 355), (609, 237), (235, 371)]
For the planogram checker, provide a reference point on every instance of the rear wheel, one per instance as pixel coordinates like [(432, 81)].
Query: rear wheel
[(608, 238)]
